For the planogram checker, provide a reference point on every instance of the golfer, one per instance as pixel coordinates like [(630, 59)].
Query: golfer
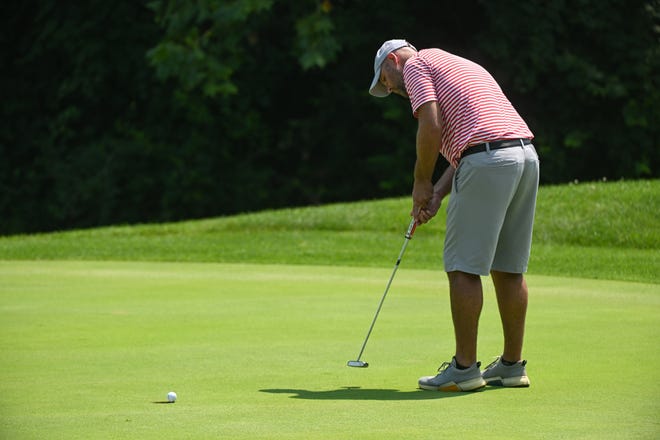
[(492, 177)]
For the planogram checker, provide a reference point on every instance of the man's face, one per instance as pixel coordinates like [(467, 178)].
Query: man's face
[(391, 76)]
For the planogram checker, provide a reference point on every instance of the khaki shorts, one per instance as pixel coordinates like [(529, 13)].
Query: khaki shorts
[(490, 214)]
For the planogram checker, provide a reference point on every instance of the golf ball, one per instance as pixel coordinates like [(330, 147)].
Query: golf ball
[(171, 396)]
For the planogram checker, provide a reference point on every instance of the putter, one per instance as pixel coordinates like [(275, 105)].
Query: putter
[(409, 233)]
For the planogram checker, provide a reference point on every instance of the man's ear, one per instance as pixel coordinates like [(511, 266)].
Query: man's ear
[(396, 59)]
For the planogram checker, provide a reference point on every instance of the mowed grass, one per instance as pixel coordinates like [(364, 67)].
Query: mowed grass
[(251, 320), (90, 349)]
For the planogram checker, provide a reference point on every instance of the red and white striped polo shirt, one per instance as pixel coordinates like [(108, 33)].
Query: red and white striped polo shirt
[(472, 105)]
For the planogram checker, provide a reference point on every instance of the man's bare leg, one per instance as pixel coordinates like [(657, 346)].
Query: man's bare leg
[(466, 296), (511, 290)]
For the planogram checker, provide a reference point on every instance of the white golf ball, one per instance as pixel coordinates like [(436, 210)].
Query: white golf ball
[(171, 396)]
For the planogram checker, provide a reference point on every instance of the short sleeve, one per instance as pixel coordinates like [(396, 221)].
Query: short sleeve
[(418, 79)]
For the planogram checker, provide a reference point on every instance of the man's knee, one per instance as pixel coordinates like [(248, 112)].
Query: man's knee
[(463, 281)]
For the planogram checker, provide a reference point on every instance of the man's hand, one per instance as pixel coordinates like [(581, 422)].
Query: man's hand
[(422, 195), (426, 214)]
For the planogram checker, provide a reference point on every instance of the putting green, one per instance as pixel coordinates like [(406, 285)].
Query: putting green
[(90, 349)]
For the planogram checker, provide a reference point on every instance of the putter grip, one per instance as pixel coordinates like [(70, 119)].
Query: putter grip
[(411, 229)]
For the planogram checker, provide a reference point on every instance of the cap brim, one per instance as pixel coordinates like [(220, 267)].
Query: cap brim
[(377, 89)]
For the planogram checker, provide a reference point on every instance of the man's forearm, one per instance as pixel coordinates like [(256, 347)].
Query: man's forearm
[(427, 153), (443, 186), (429, 137)]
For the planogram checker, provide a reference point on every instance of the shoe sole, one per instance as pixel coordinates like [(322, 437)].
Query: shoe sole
[(509, 382), (468, 385)]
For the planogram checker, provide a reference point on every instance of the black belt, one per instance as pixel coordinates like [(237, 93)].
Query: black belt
[(480, 148)]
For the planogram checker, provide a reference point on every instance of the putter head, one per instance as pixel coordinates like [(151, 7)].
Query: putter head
[(357, 364)]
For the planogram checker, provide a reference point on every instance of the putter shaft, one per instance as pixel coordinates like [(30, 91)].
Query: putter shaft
[(409, 234)]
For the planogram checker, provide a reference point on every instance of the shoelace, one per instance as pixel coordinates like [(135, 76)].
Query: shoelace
[(444, 366), (492, 364)]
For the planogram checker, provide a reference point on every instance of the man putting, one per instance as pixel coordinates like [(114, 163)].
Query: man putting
[(493, 179)]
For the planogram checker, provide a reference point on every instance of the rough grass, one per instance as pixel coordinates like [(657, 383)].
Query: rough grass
[(595, 230)]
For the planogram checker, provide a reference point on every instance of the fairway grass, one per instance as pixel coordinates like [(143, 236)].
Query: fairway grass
[(90, 349)]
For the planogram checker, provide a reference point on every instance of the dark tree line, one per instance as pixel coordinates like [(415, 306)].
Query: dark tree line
[(128, 111)]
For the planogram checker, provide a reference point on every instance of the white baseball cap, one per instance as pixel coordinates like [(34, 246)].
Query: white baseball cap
[(377, 89)]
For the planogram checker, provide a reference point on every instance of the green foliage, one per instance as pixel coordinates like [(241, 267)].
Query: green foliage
[(203, 42), (316, 42), (585, 72), (166, 110), (77, 99)]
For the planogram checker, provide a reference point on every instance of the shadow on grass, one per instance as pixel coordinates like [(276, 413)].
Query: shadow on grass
[(357, 393)]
